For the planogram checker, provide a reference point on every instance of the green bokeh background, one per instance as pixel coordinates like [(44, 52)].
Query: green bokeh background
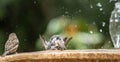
[(29, 18)]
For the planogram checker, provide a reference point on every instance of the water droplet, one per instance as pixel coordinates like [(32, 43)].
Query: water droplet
[(101, 9), (79, 10), (101, 30), (90, 1), (66, 12), (99, 4), (112, 0), (34, 2), (116, 20), (91, 32), (103, 24), (118, 10), (91, 6), (115, 15), (111, 20)]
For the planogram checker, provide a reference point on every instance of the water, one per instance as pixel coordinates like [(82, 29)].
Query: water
[(101, 30), (100, 6), (91, 32), (114, 26), (112, 0), (34, 2), (91, 6), (103, 24)]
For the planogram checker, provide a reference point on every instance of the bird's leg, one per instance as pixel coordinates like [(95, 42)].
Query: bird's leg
[(5, 53), (15, 52)]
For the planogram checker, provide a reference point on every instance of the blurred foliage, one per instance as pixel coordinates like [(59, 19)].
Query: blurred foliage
[(85, 20)]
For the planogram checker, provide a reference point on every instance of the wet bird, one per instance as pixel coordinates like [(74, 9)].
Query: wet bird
[(11, 45), (56, 42)]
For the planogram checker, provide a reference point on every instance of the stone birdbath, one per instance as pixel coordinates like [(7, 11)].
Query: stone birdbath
[(88, 55)]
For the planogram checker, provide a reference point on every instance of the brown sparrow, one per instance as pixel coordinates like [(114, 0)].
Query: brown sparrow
[(11, 45)]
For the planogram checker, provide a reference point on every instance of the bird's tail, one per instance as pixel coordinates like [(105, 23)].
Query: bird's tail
[(5, 53)]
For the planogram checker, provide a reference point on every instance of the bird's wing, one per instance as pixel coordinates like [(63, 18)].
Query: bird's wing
[(11, 43), (44, 42), (66, 40)]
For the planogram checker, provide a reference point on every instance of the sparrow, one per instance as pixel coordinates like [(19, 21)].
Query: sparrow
[(11, 45), (56, 42)]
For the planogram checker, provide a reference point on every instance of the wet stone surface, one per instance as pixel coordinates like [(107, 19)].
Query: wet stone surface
[(89, 55)]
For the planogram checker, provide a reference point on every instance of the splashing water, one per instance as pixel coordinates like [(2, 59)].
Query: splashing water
[(112, 0), (114, 26), (34, 2), (101, 30), (91, 32), (103, 24), (100, 6), (91, 6)]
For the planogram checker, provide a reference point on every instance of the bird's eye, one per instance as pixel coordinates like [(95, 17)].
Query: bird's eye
[(58, 38)]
